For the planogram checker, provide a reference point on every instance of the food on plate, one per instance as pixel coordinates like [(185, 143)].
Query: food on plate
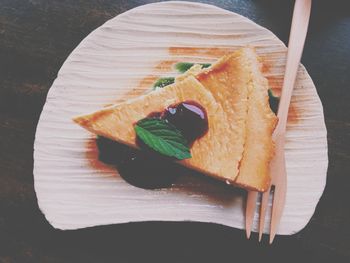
[(215, 119)]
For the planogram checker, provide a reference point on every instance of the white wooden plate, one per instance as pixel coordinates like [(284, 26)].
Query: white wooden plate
[(122, 58)]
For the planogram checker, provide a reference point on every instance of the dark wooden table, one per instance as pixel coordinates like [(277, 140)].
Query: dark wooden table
[(36, 36)]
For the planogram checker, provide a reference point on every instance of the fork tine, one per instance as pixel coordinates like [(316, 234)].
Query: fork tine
[(264, 202), (250, 210), (277, 206)]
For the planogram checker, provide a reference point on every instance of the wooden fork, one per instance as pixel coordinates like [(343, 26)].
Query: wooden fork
[(300, 21)]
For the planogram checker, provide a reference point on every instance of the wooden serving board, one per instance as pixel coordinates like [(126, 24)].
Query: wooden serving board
[(120, 60)]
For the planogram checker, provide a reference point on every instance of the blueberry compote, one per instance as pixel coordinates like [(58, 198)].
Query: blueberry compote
[(142, 169), (147, 169), (189, 117)]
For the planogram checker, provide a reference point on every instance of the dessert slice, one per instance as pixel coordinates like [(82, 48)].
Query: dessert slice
[(216, 153), (242, 70), (260, 124), (237, 146)]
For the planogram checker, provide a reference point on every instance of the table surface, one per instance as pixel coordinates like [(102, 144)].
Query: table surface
[(36, 36)]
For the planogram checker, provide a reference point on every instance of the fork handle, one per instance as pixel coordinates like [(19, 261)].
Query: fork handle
[(297, 37)]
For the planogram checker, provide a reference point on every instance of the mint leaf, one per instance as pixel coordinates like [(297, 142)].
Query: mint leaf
[(162, 82), (274, 101), (163, 137), (182, 67)]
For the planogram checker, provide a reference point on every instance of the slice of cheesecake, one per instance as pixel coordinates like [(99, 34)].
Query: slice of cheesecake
[(237, 147), (242, 70), (260, 124), (213, 154)]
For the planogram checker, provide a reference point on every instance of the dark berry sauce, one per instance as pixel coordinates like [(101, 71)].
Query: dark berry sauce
[(189, 117), (142, 169)]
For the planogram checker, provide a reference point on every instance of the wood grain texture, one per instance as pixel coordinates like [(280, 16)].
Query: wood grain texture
[(50, 31), (107, 65)]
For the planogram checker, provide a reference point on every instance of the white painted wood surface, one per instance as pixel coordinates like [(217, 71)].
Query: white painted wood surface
[(73, 192)]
